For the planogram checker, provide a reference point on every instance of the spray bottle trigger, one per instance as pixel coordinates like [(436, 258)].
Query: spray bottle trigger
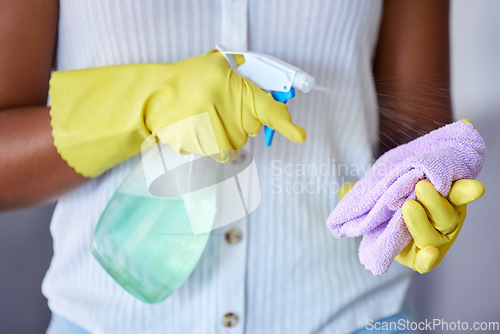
[(282, 97)]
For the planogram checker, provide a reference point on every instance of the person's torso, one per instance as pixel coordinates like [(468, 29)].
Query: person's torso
[(287, 274)]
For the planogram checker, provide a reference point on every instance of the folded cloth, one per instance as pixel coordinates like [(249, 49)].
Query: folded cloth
[(372, 208)]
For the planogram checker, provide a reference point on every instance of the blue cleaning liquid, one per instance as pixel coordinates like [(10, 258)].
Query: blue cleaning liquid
[(147, 245)]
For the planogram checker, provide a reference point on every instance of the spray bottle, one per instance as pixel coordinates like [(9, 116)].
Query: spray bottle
[(270, 74), (155, 228)]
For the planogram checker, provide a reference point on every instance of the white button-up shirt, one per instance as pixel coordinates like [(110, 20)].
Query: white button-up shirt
[(285, 273)]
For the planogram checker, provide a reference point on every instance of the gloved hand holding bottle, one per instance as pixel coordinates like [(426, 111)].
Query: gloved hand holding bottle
[(101, 116)]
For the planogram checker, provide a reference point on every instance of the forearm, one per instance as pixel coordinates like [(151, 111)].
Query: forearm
[(410, 109), (411, 70), (32, 170)]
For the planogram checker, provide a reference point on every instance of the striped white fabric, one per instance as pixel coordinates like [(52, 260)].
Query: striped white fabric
[(288, 274)]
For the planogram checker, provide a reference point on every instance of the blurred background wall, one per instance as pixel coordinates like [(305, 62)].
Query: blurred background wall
[(464, 286), (25, 252)]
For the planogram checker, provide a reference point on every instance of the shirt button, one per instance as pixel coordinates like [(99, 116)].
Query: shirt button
[(230, 319), (233, 236)]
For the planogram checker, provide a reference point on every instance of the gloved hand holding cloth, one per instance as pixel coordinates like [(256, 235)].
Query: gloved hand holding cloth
[(101, 116), (411, 204)]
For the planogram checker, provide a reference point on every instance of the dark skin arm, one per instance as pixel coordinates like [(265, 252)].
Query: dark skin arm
[(411, 70), (32, 172)]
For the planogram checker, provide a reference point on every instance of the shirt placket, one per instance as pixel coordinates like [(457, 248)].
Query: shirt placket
[(233, 247), (231, 290), (234, 24)]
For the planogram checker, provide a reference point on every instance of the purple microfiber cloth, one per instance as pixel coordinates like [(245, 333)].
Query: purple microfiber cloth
[(372, 208)]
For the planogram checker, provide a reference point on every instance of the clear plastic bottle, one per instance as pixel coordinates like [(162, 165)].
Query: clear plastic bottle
[(156, 226)]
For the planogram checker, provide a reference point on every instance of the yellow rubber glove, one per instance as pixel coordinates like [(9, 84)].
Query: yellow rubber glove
[(435, 222), (101, 116), (344, 189)]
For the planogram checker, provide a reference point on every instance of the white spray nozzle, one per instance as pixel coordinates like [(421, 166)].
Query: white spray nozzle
[(267, 72), (303, 81)]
